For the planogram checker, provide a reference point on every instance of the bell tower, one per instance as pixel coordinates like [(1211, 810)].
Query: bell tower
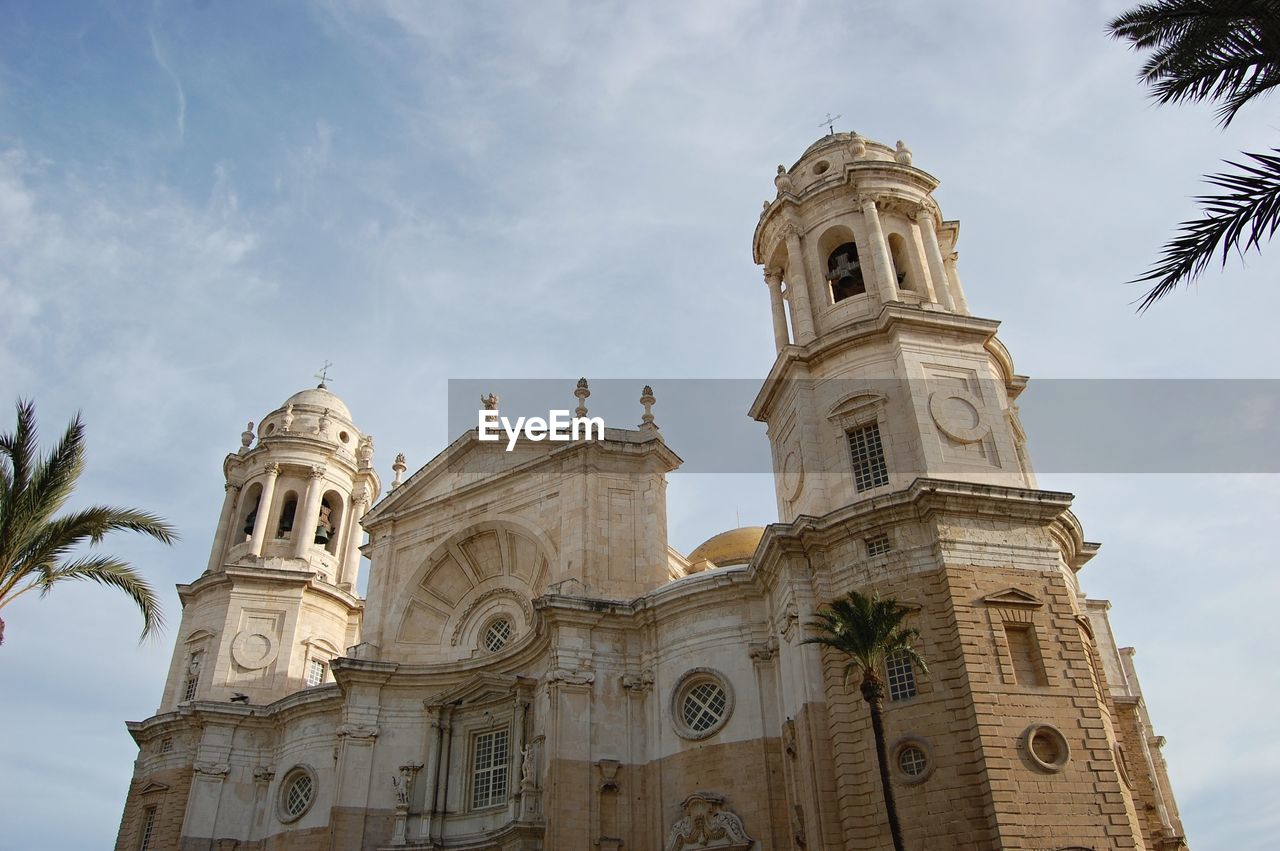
[(883, 376), (277, 600)]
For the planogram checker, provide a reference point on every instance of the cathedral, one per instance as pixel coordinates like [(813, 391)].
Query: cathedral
[(535, 667)]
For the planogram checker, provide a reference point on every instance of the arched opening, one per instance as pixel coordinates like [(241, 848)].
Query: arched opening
[(249, 507), (844, 273), (901, 268), (288, 508), (329, 522)]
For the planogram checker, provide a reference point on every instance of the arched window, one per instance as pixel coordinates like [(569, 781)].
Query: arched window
[(249, 509), (288, 508), (329, 521), (844, 273), (898, 256)]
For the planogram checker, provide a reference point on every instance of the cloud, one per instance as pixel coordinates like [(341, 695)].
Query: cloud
[(181, 118)]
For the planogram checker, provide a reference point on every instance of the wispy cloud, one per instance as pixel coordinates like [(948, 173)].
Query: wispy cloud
[(181, 119)]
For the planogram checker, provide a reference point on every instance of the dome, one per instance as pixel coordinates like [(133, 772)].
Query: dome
[(736, 546), (319, 398)]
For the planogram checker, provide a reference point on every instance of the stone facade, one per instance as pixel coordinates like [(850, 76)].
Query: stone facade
[(535, 668)]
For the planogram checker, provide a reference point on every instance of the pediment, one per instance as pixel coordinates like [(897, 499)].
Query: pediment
[(1013, 597), (153, 786), (481, 688)]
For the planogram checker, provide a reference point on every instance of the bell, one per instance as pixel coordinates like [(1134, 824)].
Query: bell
[(322, 534), (249, 521)]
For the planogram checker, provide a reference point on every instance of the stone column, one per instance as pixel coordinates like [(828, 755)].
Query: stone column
[(224, 528), (349, 570), (801, 311), (920, 265), (773, 278), (264, 509), (886, 286), (933, 256), (435, 728), (953, 281), (304, 522)]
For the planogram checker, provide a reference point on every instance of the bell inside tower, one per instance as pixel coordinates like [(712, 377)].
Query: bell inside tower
[(844, 273)]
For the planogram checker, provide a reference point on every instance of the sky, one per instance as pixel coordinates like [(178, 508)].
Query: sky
[(203, 202)]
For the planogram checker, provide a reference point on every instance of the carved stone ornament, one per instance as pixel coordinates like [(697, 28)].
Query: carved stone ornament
[(212, 769), (706, 824), (254, 650), (571, 678), (263, 774), (358, 731), (526, 608), (638, 683)]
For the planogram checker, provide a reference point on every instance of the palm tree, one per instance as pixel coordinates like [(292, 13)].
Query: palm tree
[(36, 548), (1226, 51), (869, 630)]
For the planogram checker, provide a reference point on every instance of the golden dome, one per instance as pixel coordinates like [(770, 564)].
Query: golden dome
[(736, 546)]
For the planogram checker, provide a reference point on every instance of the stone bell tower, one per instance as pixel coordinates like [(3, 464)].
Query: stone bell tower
[(278, 599), (901, 470), (877, 350)]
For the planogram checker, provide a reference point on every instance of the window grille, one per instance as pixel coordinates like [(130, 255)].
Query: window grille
[(148, 829), (166, 744), (869, 470), (489, 769), (315, 673), (912, 761), (497, 635), (703, 705), (902, 676), (878, 545)]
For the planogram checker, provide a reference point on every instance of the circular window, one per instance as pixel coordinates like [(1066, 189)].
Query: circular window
[(297, 793), (821, 166), (913, 758), (912, 761), (344, 437), (701, 703), (1047, 747), (271, 428), (497, 635)]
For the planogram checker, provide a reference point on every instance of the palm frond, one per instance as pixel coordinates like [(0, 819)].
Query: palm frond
[(1222, 50), (1248, 211), (107, 570)]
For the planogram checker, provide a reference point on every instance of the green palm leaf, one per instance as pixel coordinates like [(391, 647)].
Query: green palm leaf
[(37, 549)]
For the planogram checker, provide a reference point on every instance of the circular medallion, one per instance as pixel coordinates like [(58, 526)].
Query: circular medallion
[(254, 650), (957, 413)]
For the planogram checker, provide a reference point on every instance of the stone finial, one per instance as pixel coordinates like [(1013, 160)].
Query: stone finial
[(490, 402), (858, 146), (398, 467), (646, 399), (287, 425), (322, 425), (903, 153), (364, 452), (246, 437), (783, 181), (582, 392)]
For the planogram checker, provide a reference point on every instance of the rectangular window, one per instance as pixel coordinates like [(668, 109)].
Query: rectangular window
[(315, 672), (489, 769), (166, 744), (902, 676), (148, 829), (869, 470), (193, 676), (878, 545), (1024, 652)]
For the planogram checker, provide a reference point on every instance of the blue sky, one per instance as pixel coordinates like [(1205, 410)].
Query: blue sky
[(201, 202)]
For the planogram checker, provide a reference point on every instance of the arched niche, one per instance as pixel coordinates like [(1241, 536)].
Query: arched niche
[(487, 570)]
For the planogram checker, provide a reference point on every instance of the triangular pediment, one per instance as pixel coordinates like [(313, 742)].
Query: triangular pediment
[(1012, 597), (481, 688), (153, 786)]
